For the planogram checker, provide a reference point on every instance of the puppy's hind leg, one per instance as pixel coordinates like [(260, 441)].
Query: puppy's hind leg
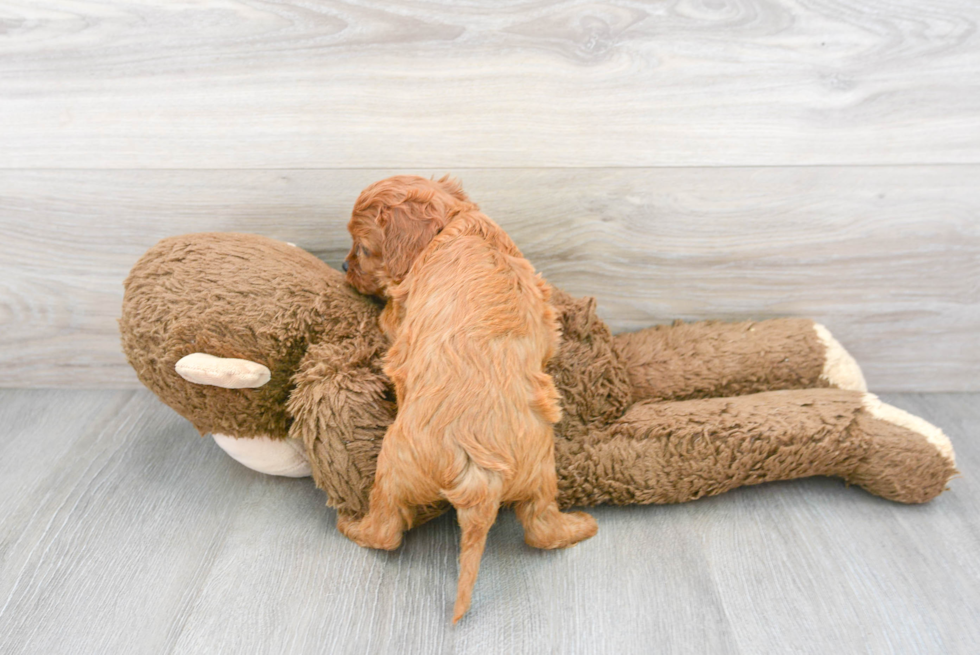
[(544, 525), (389, 514)]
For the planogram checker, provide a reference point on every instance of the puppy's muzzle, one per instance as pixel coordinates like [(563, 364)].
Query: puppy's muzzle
[(344, 266)]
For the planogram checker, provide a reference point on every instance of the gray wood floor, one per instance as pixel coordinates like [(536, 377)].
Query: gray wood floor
[(122, 531)]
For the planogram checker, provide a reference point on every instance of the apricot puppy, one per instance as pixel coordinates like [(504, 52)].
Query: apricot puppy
[(471, 331)]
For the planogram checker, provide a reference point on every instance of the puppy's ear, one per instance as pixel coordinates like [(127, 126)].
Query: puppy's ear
[(408, 228), (452, 186)]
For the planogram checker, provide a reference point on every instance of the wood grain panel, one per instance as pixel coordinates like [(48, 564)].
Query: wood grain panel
[(122, 531), (366, 84), (887, 258)]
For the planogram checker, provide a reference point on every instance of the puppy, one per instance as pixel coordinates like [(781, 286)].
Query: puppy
[(471, 332)]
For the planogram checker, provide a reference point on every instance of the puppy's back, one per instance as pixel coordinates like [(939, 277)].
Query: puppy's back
[(471, 349)]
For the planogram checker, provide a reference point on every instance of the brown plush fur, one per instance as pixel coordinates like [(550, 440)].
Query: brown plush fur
[(472, 330), (340, 403), (685, 450), (673, 362)]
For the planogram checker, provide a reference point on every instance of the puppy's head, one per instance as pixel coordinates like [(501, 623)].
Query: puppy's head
[(392, 223)]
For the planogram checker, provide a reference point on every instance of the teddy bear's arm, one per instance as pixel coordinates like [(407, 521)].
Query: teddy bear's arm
[(716, 359), (341, 406), (675, 451)]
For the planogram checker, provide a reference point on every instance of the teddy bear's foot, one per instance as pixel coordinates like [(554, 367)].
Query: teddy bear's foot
[(909, 459), (285, 457), (839, 368)]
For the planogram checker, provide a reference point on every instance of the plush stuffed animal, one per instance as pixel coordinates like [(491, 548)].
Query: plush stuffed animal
[(268, 349)]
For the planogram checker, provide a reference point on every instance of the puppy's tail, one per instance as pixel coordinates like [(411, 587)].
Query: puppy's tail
[(476, 502)]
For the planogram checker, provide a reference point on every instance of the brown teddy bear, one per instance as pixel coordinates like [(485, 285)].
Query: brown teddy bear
[(268, 349)]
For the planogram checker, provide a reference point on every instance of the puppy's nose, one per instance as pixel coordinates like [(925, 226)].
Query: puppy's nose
[(344, 266)]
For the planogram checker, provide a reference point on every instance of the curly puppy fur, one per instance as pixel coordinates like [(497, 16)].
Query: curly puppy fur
[(472, 331)]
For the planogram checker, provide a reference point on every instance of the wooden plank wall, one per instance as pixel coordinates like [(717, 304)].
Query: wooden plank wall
[(675, 158)]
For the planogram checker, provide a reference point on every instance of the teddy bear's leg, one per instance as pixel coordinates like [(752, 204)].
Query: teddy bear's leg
[(675, 451), (285, 457), (715, 359)]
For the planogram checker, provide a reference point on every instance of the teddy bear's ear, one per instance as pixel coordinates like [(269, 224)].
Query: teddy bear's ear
[(229, 373), (408, 228)]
